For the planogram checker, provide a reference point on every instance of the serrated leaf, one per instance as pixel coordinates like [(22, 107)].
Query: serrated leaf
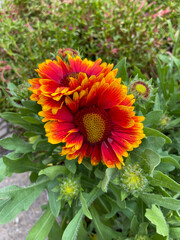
[(160, 179), (14, 199), (71, 230), (166, 202), (17, 144), (108, 174), (42, 227), (122, 70), (55, 205), (156, 217), (22, 164), (85, 207), (155, 133), (54, 171)]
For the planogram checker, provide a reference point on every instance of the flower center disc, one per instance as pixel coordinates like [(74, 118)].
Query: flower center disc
[(141, 88), (93, 124)]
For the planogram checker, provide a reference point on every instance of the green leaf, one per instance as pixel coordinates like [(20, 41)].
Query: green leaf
[(71, 166), (156, 217), (22, 164), (166, 202), (151, 160), (152, 132), (85, 207), (153, 118), (122, 70), (13, 103), (55, 205), (42, 227), (170, 160), (104, 232), (32, 120), (54, 171), (108, 174), (3, 170), (15, 199), (55, 233), (134, 224), (31, 105), (17, 144), (160, 179), (71, 230), (174, 232)]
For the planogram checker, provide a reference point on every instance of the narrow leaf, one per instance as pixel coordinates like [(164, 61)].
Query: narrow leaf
[(85, 207), (122, 70), (42, 227), (108, 174), (166, 202), (152, 132)]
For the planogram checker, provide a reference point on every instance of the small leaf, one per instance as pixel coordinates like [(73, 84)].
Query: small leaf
[(152, 132), (156, 217), (85, 207), (42, 227), (55, 205), (122, 70), (54, 171)]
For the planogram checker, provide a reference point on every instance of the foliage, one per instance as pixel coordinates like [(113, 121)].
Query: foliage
[(103, 208)]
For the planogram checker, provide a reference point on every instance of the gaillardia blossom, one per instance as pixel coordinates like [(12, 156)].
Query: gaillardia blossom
[(59, 78), (96, 120)]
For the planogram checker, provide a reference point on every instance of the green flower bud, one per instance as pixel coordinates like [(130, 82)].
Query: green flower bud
[(69, 189), (133, 179)]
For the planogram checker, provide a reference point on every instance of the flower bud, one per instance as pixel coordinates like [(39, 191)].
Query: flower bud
[(69, 189), (133, 179), (141, 89), (63, 52)]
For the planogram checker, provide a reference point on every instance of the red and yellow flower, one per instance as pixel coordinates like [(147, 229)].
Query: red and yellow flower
[(88, 109), (58, 79), (97, 122)]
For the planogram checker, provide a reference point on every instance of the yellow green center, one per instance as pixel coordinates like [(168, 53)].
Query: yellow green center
[(134, 179), (69, 190), (95, 127), (140, 88)]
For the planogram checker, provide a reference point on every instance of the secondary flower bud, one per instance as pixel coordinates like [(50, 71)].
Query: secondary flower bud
[(133, 179)]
